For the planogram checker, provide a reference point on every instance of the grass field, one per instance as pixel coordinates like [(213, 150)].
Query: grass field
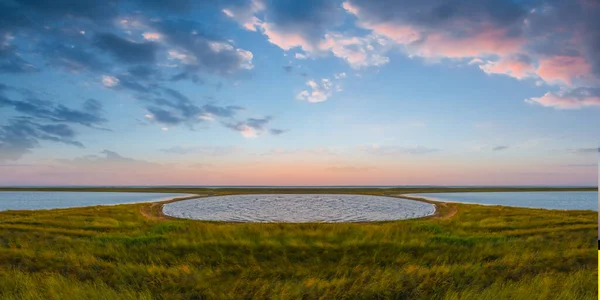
[(134, 252)]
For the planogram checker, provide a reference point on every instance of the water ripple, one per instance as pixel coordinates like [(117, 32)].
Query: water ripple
[(298, 208)]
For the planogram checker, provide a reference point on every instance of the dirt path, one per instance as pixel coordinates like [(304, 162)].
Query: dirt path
[(450, 212), (149, 211), (154, 211), (443, 210)]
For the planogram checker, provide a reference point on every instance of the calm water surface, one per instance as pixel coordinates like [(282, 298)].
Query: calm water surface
[(549, 200), (48, 200)]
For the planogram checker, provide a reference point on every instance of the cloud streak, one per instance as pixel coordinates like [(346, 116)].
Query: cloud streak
[(203, 150), (42, 120), (253, 127), (568, 98), (20, 135), (397, 150), (125, 50)]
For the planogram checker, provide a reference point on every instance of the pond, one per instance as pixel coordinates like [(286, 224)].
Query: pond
[(550, 200), (48, 200), (298, 208)]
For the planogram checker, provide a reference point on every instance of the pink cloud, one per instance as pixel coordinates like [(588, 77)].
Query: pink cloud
[(248, 132), (244, 15), (496, 48), (490, 41), (400, 34), (564, 100), (358, 52), (350, 8), (510, 66), (563, 68), (287, 40), (152, 36), (482, 39)]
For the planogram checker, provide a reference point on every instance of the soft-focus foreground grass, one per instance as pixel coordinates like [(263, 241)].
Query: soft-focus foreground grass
[(116, 252)]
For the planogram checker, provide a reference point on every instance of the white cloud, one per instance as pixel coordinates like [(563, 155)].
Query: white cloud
[(300, 56), (359, 52), (109, 81), (184, 58), (220, 46), (318, 92), (207, 117), (475, 61), (228, 13), (247, 59), (248, 132), (339, 75)]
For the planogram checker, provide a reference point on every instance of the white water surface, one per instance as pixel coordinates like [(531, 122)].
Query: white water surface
[(569, 200), (49, 200), (298, 208)]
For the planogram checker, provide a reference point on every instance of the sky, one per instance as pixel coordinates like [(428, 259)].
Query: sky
[(352, 92)]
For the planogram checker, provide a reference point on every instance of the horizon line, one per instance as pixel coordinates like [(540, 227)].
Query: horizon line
[(290, 186)]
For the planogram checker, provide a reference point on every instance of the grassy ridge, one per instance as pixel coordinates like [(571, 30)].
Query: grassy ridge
[(116, 252)]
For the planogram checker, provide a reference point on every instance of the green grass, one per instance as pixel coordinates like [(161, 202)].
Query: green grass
[(115, 252)]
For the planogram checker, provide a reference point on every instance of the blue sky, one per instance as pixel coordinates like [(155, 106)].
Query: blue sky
[(299, 93)]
